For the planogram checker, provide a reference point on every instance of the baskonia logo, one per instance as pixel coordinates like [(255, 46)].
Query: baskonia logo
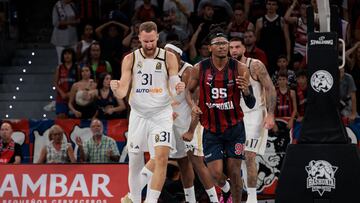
[(321, 81), (321, 176)]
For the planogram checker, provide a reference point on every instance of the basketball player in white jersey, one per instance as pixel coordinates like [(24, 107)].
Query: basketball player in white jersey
[(153, 73), (259, 119), (192, 147)]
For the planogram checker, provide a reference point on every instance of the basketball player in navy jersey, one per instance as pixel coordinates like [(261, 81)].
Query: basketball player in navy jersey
[(258, 119), (220, 112)]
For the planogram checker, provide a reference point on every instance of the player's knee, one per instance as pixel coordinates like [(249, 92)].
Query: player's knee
[(217, 175), (250, 155)]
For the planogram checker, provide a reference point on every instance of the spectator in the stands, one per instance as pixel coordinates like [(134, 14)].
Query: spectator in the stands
[(82, 99), (169, 28), (183, 10), (272, 34), (347, 96), (87, 38), (205, 19), (252, 51), (108, 106), (301, 94), (58, 150), (134, 32), (285, 101), (99, 148), (10, 151), (147, 12), (299, 30), (353, 67), (94, 60), (239, 23), (282, 65), (197, 54), (111, 35), (64, 20), (66, 74)]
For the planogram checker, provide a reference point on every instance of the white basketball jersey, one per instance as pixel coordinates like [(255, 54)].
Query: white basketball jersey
[(258, 92), (181, 107), (149, 93)]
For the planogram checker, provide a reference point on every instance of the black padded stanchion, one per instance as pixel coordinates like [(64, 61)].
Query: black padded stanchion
[(323, 167)]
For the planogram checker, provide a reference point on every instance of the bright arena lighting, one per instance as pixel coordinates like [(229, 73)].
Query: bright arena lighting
[(14, 97), (29, 62), (33, 53), (24, 70), (51, 97), (44, 115), (54, 88), (10, 107), (7, 115), (20, 79), (17, 88)]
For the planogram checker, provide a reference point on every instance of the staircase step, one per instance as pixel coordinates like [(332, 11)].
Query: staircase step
[(26, 96), (27, 69), (9, 88), (25, 109), (28, 79)]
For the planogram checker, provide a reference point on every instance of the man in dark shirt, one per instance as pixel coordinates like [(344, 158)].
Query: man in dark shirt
[(10, 152)]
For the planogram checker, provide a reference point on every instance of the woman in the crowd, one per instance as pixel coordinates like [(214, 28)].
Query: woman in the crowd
[(66, 74), (58, 150), (64, 20), (87, 38), (109, 107), (82, 101)]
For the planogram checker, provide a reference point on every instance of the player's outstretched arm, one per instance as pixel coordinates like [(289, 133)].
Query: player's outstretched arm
[(259, 70)]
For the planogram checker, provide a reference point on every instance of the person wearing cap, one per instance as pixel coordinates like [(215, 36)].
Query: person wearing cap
[(220, 113), (188, 151)]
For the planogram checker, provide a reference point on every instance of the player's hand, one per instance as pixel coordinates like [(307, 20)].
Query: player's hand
[(114, 85), (180, 87), (188, 136), (243, 83), (195, 111), (269, 121)]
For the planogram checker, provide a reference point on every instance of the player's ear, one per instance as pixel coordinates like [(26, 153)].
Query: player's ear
[(157, 37)]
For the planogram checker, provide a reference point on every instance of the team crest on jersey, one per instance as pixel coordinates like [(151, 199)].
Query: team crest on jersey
[(139, 64), (158, 66)]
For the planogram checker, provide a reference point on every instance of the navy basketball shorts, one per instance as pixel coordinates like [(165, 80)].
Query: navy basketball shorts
[(229, 144)]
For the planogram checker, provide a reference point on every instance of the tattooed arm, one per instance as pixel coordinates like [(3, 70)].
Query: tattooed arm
[(258, 69)]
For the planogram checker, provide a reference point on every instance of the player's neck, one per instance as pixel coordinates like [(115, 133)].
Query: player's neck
[(243, 59), (219, 63), (148, 54)]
